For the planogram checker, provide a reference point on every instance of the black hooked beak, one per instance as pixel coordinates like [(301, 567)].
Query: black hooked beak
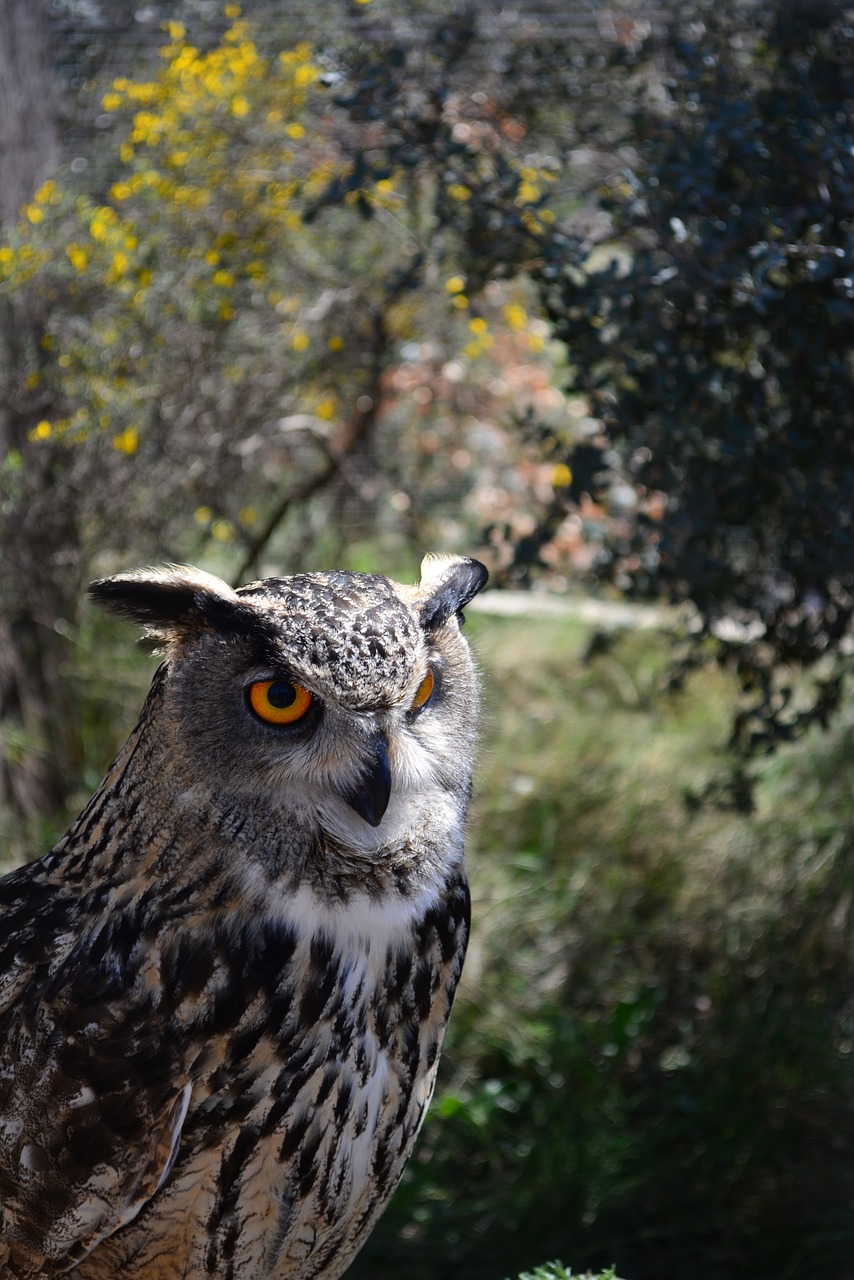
[(371, 794)]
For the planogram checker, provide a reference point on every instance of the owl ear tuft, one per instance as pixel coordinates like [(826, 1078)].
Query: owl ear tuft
[(171, 602), (447, 584)]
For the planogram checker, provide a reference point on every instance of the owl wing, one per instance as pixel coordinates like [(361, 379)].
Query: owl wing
[(93, 1097)]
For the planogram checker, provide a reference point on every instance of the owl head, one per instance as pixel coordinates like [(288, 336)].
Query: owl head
[(339, 703)]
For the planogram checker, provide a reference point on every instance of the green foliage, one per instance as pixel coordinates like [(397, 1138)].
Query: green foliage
[(230, 312), (494, 207), (557, 1271), (650, 1059), (712, 335)]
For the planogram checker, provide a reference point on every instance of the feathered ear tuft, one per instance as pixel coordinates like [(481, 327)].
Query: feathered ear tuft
[(448, 583), (171, 602)]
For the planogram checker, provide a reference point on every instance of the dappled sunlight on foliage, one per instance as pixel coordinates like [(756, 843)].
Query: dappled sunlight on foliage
[(228, 316)]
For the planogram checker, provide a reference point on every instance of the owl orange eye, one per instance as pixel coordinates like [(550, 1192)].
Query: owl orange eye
[(279, 701), (425, 689)]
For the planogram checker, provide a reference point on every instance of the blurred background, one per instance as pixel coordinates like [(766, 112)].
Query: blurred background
[(568, 287)]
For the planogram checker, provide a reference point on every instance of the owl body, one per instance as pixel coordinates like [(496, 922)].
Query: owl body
[(224, 993)]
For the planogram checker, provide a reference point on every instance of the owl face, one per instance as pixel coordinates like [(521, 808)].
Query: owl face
[(342, 701)]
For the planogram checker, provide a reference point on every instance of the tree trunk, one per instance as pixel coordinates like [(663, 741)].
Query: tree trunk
[(29, 138), (31, 651)]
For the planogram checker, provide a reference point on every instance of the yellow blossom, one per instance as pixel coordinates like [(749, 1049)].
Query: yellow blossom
[(478, 325), (102, 220), (305, 76), (77, 256), (292, 57), (42, 430), (457, 191), (528, 193), (127, 442), (300, 341), (515, 316), (335, 343), (455, 284), (202, 515), (46, 193), (561, 476), (478, 345), (222, 531), (327, 407)]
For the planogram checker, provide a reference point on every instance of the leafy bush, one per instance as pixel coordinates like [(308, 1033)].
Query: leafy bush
[(711, 331)]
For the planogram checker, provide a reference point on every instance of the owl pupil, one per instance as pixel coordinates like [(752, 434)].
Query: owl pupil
[(281, 694)]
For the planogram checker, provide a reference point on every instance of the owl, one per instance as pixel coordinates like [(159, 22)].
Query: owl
[(223, 994)]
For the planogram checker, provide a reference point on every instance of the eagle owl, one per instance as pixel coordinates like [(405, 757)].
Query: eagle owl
[(224, 992)]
